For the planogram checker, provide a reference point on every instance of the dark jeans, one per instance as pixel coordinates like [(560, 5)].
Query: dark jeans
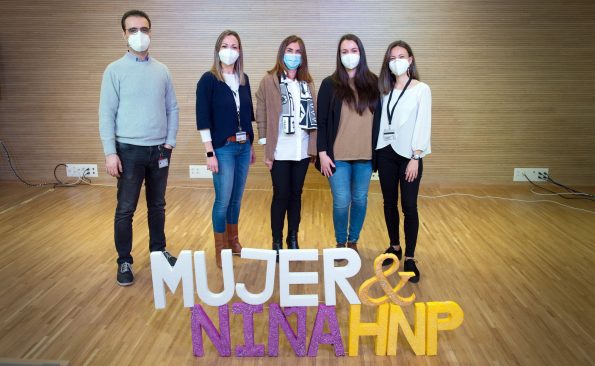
[(391, 171), (140, 163), (288, 180)]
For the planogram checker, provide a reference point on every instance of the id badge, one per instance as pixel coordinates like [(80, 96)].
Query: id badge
[(389, 135), (241, 136), (163, 163)]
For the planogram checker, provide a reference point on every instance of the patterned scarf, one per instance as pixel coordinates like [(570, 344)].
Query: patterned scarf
[(307, 117)]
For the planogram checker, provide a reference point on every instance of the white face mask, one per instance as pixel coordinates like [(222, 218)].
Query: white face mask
[(139, 41), (228, 56), (399, 66), (350, 60)]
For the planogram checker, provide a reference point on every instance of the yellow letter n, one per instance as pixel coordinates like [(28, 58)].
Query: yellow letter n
[(417, 339)]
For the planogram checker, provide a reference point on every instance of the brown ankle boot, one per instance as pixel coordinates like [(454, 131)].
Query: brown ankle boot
[(233, 242), (220, 244), (353, 246), (340, 261)]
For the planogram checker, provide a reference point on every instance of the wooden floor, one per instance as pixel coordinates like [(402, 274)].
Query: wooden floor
[(524, 274)]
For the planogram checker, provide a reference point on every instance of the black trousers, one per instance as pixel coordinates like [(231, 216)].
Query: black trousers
[(140, 164), (391, 171), (288, 180)]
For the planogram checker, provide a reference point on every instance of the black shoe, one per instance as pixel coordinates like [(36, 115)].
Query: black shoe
[(411, 267), (277, 243), (125, 276), (340, 261), (391, 250), (170, 258), (292, 242)]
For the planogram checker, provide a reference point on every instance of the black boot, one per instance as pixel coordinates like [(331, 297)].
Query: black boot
[(277, 243), (292, 242)]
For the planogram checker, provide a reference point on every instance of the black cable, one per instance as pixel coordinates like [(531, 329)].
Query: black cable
[(571, 190), (573, 195), (43, 184), (84, 177), (17, 174), (551, 180), (73, 183), (560, 194), (538, 186), (547, 178), (580, 194), (55, 176)]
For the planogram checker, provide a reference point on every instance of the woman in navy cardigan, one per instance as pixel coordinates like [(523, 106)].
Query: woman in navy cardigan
[(224, 118)]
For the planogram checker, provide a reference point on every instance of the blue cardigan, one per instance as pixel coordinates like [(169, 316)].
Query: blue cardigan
[(216, 109)]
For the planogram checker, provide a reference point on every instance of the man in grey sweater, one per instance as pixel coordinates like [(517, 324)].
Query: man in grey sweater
[(138, 123)]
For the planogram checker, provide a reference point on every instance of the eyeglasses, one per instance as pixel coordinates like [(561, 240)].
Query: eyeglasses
[(135, 30)]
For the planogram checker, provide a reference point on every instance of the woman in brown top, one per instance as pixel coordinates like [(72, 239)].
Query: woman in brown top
[(346, 104), (286, 117)]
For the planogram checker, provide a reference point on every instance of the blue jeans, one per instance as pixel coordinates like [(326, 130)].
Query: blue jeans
[(234, 160), (349, 185), (140, 163)]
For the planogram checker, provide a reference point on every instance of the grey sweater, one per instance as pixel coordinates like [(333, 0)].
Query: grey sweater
[(137, 104)]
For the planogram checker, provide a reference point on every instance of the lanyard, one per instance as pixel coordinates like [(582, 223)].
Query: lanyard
[(237, 110), (390, 112)]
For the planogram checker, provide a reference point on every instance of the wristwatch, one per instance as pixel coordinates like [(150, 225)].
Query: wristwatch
[(415, 157), (210, 154)]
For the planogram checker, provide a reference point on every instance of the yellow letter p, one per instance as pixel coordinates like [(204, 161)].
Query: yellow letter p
[(453, 320)]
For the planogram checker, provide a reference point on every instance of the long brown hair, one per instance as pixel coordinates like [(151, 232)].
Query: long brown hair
[(303, 74), (238, 67), (386, 80), (366, 83)]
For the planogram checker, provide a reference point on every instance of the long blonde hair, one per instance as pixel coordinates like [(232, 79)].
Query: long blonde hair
[(238, 67)]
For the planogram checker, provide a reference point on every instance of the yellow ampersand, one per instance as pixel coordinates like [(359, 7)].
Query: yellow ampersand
[(380, 277)]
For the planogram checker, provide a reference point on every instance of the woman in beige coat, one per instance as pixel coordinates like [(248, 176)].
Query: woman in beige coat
[(286, 117)]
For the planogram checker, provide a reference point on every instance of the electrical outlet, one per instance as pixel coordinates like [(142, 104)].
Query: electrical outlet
[(374, 176), (78, 170), (534, 174), (199, 171)]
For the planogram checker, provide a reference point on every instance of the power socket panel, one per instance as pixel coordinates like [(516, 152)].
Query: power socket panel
[(531, 173), (77, 170), (199, 171), (374, 176)]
